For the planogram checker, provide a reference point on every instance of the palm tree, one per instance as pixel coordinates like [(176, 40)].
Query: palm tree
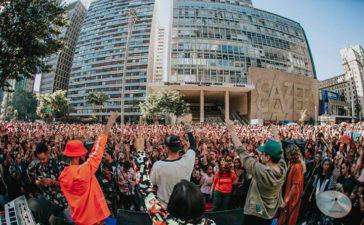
[(91, 99), (97, 99)]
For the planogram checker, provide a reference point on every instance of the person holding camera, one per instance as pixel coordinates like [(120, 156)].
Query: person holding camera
[(51, 207), (222, 186)]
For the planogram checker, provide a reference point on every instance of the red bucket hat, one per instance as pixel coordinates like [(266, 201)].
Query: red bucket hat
[(74, 148)]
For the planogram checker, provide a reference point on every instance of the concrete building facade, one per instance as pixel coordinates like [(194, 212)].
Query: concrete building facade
[(159, 55), (213, 43), (333, 108), (345, 88), (350, 85), (100, 52), (61, 63), (353, 62), (281, 96)]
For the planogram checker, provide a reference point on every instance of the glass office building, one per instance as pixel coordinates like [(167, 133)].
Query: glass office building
[(99, 58), (61, 63), (217, 40), (214, 42)]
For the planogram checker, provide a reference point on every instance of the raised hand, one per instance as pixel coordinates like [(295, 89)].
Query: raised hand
[(110, 123), (274, 132), (230, 125), (140, 141)]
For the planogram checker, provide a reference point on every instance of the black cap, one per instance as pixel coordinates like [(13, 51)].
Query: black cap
[(173, 143)]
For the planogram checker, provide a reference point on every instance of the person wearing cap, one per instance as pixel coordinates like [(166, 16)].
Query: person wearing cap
[(79, 183), (265, 191), (167, 173)]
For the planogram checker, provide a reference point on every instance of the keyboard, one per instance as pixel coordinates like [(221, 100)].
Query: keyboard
[(17, 212)]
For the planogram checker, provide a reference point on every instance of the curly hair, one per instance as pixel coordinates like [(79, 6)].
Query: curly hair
[(296, 156)]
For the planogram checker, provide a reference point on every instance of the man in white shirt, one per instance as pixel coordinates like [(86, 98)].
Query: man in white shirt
[(167, 173)]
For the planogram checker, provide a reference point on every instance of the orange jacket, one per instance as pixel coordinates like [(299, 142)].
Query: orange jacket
[(82, 190), (224, 182)]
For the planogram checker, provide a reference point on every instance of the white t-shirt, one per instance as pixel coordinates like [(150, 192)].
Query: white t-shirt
[(361, 177), (166, 174), (205, 188)]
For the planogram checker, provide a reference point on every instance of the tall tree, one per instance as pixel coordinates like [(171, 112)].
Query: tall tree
[(150, 107), (50, 104), (29, 33), (97, 99), (165, 102), (91, 100), (26, 104)]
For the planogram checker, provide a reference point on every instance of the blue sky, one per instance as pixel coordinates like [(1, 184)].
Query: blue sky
[(329, 26)]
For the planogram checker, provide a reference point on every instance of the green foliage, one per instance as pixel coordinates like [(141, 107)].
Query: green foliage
[(57, 102), (163, 103), (150, 106), (25, 103), (29, 33), (97, 99), (9, 114)]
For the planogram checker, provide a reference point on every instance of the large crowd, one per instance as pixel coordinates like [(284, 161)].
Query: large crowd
[(330, 158)]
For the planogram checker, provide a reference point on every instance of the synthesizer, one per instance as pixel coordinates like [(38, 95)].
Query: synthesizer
[(17, 212)]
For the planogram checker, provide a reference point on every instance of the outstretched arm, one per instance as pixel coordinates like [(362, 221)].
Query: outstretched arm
[(253, 167), (191, 139), (97, 151), (157, 212)]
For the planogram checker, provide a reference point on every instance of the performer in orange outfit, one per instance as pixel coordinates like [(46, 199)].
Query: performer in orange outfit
[(294, 186), (78, 181)]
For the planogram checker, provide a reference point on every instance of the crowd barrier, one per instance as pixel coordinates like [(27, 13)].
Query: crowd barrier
[(231, 217)]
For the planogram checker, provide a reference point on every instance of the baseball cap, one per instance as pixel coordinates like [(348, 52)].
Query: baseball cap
[(272, 148), (173, 142)]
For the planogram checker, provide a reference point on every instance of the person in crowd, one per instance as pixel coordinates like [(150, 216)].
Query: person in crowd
[(126, 182), (185, 205), (17, 172), (313, 166), (238, 193), (210, 158), (196, 172), (206, 182), (345, 183), (336, 172), (265, 194), (323, 181), (108, 186), (222, 186), (3, 189), (167, 173), (294, 186), (122, 159), (357, 211), (52, 207), (79, 184), (109, 159)]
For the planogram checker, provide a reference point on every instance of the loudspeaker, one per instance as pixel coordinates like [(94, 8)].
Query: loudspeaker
[(231, 217), (127, 217)]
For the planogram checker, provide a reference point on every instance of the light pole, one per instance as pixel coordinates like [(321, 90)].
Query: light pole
[(133, 18)]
